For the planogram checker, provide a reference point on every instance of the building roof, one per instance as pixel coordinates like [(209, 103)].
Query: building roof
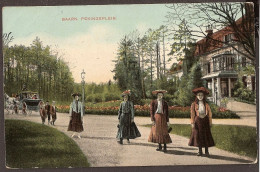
[(214, 40)]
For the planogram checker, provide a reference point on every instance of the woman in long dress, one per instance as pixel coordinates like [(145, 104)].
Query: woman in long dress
[(76, 116), (43, 112), (126, 128), (201, 122), (160, 121)]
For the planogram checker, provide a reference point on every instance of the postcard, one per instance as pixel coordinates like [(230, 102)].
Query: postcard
[(130, 85)]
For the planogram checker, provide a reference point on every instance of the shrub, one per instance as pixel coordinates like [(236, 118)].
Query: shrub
[(111, 108), (110, 96), (170, 99), (245, 94), (90, 98), (97, 98)]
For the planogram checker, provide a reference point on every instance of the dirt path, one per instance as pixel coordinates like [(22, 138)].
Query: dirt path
[(99, 144)]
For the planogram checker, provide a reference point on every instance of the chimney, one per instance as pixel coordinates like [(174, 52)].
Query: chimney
[(209, 30)]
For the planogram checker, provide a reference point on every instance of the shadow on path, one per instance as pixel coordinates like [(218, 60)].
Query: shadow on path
[(156, 145), (99, 138), (177, 152), (229, 159)]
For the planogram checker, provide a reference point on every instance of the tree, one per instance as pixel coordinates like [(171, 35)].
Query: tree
[(127, 70), (7, 38), (237, 18), (39, 69), (188, 83)]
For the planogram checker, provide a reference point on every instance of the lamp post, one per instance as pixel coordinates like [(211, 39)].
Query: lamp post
[(83, 88)]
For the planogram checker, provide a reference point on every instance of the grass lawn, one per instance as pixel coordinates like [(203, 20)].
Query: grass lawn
[(30, 145), (237, 139)]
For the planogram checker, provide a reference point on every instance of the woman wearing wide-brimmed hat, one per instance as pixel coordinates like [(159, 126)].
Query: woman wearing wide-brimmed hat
[(76, 115), (43, 112), (53, 112), (126, 128), (201, 121), (160, 121)]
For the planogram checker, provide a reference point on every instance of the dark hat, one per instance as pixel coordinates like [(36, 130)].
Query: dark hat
[(76, 94), (159, 91), (169, 129), (126, 92), (200, 89)]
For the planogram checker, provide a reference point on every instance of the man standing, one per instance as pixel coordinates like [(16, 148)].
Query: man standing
[(160, 121), (48, 111), (53, 113)]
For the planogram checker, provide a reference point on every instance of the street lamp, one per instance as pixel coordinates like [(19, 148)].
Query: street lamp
[(83, 89)]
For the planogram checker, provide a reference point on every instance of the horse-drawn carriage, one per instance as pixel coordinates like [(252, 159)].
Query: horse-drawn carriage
[(26, 101)]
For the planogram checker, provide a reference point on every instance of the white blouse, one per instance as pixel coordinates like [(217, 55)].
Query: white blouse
[(202, 109), (159, 106)]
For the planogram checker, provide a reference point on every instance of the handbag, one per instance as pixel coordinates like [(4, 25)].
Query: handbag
[(169, 129)]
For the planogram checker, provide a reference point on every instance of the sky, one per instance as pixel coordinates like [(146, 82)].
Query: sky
[(85, 44)]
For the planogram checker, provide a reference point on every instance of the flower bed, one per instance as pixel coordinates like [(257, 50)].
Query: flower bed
[(174, 111)]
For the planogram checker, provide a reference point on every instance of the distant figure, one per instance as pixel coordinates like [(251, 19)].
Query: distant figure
[(48, 111), (76, 116), (15, 102), (24, 87), (34, 96), (126, 128), (201, 121), (160, 121), (43, 113), (53, 113), (24, 108)]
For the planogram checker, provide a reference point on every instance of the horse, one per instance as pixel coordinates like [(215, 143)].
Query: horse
[(11, 104)]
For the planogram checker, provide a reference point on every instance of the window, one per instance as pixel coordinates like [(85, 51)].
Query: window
[(230, 62), (209, 67), (228, 38)]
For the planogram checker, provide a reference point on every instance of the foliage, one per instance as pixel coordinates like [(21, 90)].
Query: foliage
[(97, 97), (110, 97), (111, 108), (224, 102), (237, 139), (218, 16), (30, 145), (127, 69), (241, 140), (39, 69), (243, 93), (187, 84), (141, 61)]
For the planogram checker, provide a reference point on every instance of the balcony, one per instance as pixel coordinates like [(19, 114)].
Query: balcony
[(224, 63)]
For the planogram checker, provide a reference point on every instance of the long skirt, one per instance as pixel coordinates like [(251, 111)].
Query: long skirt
[(54, 117), (126, 129), (201, 134), (43, 114), (75, 123), (159, 131)]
